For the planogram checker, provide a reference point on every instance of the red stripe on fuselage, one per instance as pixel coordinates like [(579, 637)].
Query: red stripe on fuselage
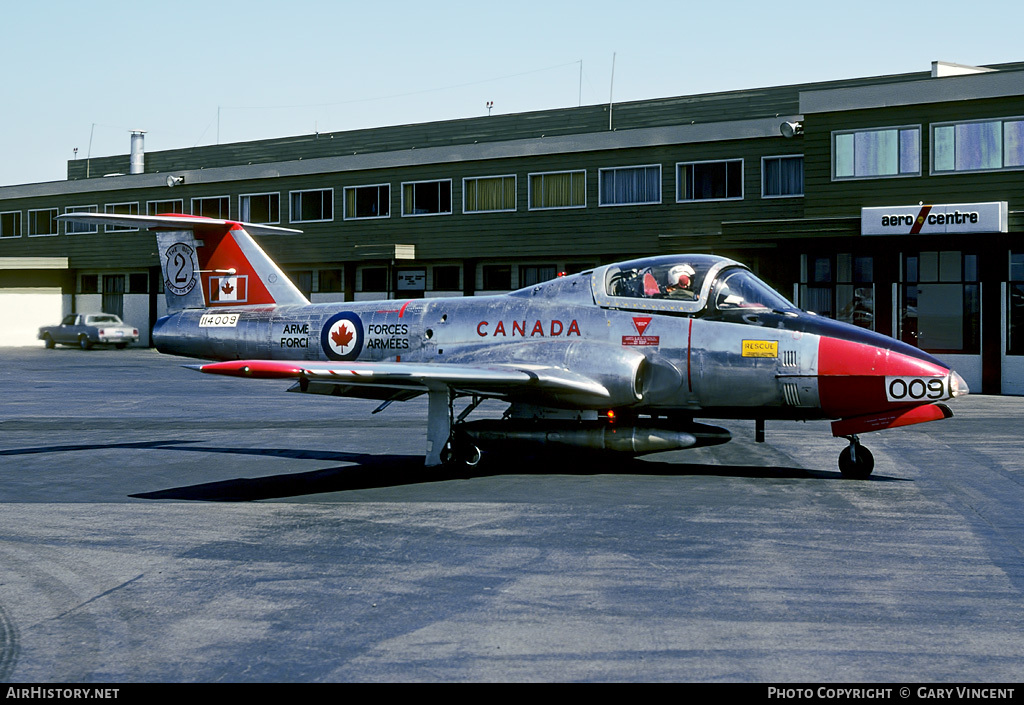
[(851, 377)]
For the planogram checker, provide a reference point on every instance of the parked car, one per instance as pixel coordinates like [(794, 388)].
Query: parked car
[(88, 329)]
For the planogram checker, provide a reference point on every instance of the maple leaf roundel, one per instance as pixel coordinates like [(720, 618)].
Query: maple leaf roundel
[(342, 336)]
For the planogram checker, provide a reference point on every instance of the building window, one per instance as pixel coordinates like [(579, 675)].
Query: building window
[(303, 280), (497, 277), (446, 278), (558, 189), (71, 228), (120, 209), (1015, 306), (841, 288), (782, 177), (259, 208), (530, 274), (312, 206), (980, 145), (367, 202), (374, 278), (710, 181), (89, 284), (577, 267), (869, 154), (174, 205), (329, 281), (42, 221), (427, 198), (212, 207), (10, 224), (635, 185), (940, 302), (138, 283), (489, 194)]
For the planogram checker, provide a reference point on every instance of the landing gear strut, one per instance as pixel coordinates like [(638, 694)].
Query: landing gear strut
[(446, 446), (856, 461)]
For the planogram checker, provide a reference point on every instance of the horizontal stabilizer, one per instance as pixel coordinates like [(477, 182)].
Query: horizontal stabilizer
[(172, 221)]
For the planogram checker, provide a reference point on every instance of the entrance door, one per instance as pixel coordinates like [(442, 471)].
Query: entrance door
[(113, 294), (940, 309), (1013, 328)]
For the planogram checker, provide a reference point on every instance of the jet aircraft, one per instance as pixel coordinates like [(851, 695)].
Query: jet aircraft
[(622, 357)]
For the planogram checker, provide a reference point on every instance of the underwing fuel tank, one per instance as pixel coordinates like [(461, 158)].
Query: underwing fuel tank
[(633, 439)]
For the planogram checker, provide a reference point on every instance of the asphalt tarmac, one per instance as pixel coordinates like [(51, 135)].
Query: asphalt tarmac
[(161, 525)]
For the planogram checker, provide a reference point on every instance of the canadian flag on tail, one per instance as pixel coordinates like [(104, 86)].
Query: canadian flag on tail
[(229, 289)]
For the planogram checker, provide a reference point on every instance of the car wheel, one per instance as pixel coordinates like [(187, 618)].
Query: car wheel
[(84, 342), (48, 341)]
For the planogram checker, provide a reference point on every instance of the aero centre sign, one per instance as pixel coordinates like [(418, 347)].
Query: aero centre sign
[(944, 218)]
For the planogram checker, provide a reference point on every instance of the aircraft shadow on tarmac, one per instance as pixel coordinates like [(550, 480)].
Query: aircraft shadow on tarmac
[(372, 471)]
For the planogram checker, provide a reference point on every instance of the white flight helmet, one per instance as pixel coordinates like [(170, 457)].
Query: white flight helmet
[(680, 275)]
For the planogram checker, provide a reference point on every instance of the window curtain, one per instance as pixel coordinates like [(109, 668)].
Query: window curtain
[(638, 185)]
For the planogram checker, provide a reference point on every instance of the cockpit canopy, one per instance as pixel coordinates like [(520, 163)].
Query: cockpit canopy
[(686, 284)]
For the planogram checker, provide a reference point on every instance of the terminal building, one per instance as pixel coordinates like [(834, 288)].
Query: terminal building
[(892, 202)]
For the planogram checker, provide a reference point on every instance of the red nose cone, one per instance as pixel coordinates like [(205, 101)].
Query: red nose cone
[(855, 379)]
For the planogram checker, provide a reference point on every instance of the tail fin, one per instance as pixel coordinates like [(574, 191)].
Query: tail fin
[(208, 262)]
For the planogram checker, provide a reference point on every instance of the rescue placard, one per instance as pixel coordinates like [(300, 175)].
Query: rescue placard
[(760, 348)]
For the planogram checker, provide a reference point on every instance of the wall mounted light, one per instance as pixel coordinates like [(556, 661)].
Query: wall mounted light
[(789, 129)]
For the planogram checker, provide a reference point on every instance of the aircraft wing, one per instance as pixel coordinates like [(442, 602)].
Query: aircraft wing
[(401, 380)]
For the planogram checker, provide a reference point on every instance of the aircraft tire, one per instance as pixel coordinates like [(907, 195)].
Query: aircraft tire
[(469, 455), (461, 454), (859, 469)]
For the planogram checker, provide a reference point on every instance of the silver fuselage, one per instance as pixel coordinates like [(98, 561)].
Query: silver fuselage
[(675, 361)]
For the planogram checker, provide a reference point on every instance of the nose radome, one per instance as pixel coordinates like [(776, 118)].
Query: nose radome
[(857, 378)]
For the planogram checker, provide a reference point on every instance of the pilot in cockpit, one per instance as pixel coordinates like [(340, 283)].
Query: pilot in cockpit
[(679, 283)]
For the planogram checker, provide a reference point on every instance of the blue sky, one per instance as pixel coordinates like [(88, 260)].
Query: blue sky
[(192, 73)]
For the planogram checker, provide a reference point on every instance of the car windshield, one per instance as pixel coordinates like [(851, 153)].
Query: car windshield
[(739, 289), (680, 280), (105, 318)]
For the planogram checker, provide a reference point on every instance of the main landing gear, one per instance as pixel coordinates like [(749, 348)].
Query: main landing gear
[(460, 452), (856, 461), (446, 445)]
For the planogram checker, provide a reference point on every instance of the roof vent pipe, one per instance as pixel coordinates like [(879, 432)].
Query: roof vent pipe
[(137, 159)]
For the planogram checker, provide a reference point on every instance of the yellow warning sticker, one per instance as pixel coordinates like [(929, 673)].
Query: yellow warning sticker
[(760, 348)]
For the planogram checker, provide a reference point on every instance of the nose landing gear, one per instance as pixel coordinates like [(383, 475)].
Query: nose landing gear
[(856, 461)]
